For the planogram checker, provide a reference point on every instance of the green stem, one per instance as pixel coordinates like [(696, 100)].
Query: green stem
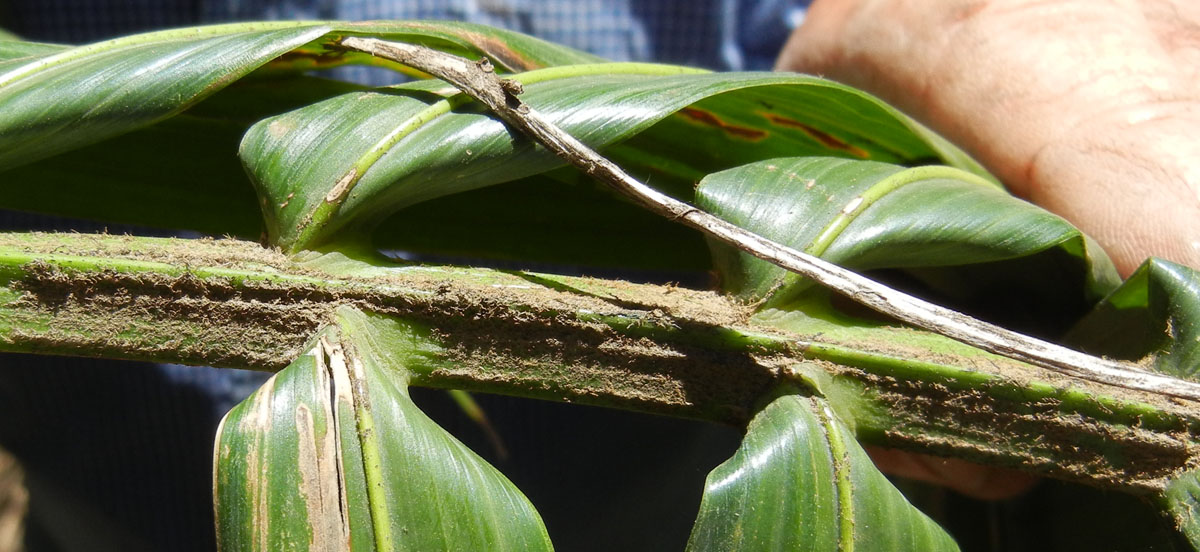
[(608, 343)]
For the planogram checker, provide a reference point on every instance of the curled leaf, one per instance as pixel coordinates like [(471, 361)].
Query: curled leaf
[(54, 99), (70, 98), (1154, 316), (332, 454), (801, 482), (868, 215), (355, 159)]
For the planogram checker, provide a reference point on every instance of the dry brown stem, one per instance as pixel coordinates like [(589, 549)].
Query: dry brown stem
[(478, 80)]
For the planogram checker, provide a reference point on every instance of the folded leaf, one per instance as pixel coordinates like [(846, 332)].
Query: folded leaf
[(357, 158), (1154, 316), (801, 482), (868, 215), (332, 454), (960, 240), (87, 94), (53, 100)]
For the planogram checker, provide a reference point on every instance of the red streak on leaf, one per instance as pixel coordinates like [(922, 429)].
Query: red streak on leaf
[(492, 47), (703, 117), (504, 55), (826, 139)]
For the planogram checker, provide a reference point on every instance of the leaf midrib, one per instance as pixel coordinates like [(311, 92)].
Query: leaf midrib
[(861, 202)]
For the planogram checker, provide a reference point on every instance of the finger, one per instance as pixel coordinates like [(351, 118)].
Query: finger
[(1131, 180), (973, 480)]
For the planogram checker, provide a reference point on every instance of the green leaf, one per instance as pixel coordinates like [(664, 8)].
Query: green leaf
[(84, 95), (355, 159), (112, 89), (1181, 499), (181, 173), (53, 100), (1154, 316), (960, 240), (800, 482), (14, 52), (177, 174), (868, 215), (332, 454)]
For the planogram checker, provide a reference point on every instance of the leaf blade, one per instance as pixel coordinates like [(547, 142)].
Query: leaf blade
[(87, 94), (799, 482), (867, 215), (1151, 317), (602, 105), (54, 99), (366, 465)]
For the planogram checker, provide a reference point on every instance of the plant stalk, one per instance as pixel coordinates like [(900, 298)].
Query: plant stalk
[(478, 80), (639, 347)]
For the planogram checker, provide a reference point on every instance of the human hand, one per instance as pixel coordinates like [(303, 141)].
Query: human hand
[(1089, 108)]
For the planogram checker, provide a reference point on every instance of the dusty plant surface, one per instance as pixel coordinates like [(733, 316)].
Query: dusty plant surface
[(658, 349)]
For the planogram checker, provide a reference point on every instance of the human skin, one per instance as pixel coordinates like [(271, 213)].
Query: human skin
[(1089, 108)]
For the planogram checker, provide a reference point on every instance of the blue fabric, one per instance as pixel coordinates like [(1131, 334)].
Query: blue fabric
[(716, 34)]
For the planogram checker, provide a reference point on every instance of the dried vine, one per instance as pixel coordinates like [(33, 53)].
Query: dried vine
[(478, 80)]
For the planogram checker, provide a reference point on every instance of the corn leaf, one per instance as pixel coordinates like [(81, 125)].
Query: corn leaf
[(98, 105), (357, 158), (1153, 316), (960, 240), (867, 215), (332, 454), (53, 100), (70, 98), (799, 481)]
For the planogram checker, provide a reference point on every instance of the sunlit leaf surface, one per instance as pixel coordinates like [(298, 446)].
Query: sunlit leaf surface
[(332, 454), (354, 159), (54, 99), (69, 98), (1154, 316), (867, 215), (940, 232), (801, 482)]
